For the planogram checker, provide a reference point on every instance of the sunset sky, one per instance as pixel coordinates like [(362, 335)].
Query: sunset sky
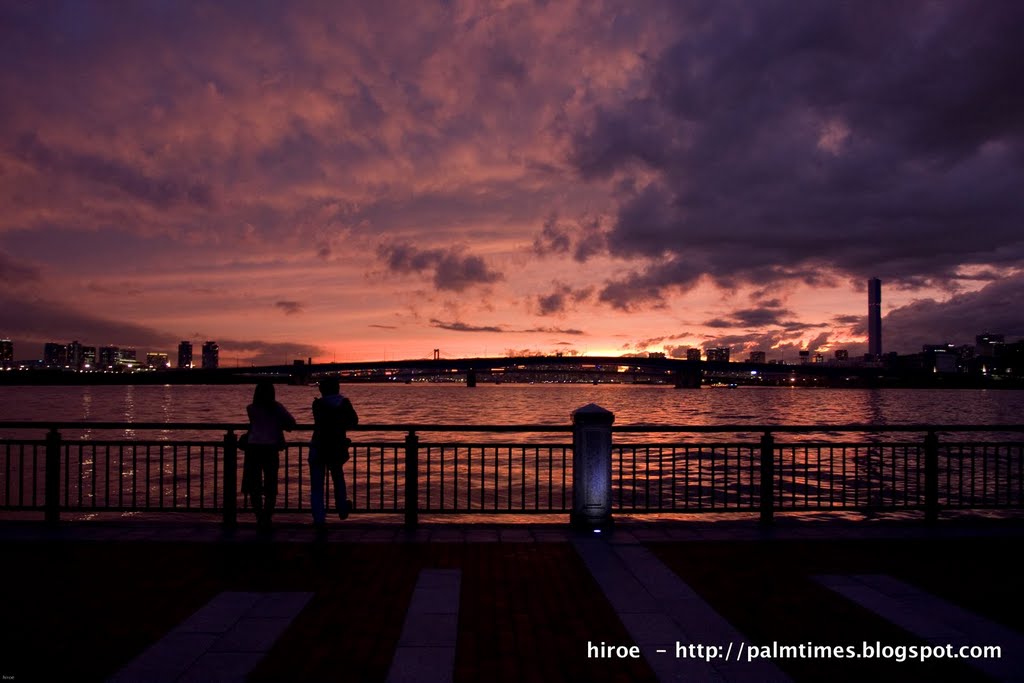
[(368, 180)]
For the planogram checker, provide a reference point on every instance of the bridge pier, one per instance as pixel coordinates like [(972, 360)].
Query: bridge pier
[(470, 378), (688, 378)]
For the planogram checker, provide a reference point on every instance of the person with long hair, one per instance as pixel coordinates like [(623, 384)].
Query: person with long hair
[(268, 420)]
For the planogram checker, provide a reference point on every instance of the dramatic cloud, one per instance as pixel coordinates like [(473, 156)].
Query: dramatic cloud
[(463, 327), (33, 322), (561, 298), (776, 141), (13, 273), (622, 167), (995, 308), (452, 270)]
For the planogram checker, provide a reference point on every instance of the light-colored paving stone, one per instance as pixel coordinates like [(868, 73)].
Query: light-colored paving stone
[(661, 612), (934, 620), (426, 648), (223, 640)]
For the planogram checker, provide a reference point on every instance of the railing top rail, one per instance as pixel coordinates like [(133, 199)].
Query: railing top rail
[(242, 426), (427, 427), (818, 428)]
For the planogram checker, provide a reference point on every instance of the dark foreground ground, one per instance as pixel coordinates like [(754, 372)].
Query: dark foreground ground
[(81, 602)]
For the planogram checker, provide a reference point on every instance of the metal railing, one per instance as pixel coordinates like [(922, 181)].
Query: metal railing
[(391, 470), (894, 467)]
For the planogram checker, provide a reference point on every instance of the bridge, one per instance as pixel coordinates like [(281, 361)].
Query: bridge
[(621, 369)]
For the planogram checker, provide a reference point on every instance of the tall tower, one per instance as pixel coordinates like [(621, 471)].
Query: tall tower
[(185, 354), (211, 355), (875, 317)]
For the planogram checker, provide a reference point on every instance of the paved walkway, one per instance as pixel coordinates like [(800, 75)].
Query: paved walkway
[(426, 648), (223, 641), (665, 617), (934, 620), (678, 633)]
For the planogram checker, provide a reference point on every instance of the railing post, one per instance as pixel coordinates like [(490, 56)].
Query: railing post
[(412, 479), (767, 478), (591, 467), (52, 485), (931, 477), (230, 479)]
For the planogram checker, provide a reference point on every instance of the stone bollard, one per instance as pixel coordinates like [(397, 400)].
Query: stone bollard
[(591, 467)]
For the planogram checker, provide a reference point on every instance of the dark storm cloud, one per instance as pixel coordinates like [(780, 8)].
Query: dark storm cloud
[(464, 327), (457, 326), (850, 320), (14, 273), (162, 192), (554, 330), (560, 298), (35, 321), (553, 238), (770, 315), (995, 308), (289, 307), (452, 269), (781, 140)]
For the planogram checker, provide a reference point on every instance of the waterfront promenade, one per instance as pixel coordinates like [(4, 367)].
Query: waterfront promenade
[(186, 599)]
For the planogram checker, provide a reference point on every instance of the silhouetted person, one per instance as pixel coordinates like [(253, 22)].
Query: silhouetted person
[(268, 421), (333, 414)]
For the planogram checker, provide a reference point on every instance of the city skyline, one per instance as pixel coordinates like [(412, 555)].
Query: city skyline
[(351, 183)]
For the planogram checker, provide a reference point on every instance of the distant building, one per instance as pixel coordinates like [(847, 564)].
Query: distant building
[(655, 354), (157, 361), (720, 355), (75, 355), (109, 357), (185, 355), (805, 357), (6, 353), (875, 317), (940, 358), (692, 354), (842, 354), (211, 355), (757, 357), (988, 345), (55, 355), (88, 358)]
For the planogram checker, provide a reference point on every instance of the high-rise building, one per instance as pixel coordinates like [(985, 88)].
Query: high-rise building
[(88, 357), (757, 357), (720, 354), (6, 353), (75, 355), (842, 354), (185, 355), (109, 357), (211, 355), (55, 355), (875, 317), (988, 345), (127, 358), (692, 354)]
